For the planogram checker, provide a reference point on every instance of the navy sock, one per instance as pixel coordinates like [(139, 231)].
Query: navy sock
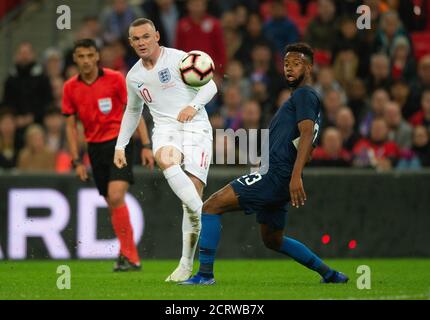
[(303, 255), (209, 239)]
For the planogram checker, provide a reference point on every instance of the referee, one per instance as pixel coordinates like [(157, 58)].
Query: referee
[(97, 97)]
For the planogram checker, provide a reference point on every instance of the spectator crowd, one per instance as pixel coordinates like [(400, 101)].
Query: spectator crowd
[(374, 83)]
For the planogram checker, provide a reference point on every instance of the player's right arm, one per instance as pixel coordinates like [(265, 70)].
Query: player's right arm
[(129, 123), (203, 96), (69, 110), (73, 142), (307, 110), (297, 191)]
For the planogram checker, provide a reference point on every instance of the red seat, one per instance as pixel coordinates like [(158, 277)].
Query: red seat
[(292, 8), (421, 43), (322, 57), (301, 24)]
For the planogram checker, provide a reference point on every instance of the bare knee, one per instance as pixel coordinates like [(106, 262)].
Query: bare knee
[(167, 157), (115, 198)]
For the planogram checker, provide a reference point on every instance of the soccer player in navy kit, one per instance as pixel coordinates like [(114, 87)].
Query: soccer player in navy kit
[(293, 132)]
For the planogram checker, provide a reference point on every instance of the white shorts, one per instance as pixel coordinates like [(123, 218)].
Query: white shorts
[(195, 145)]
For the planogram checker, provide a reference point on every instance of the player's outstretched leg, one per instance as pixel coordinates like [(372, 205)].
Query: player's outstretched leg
[(128, 259), (189, 190), (191, 226), (275, 240), (169, 159), (220, 202)]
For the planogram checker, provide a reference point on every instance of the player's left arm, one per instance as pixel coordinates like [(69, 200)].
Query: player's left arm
[(203, 96), (297, 191), (146, 153)]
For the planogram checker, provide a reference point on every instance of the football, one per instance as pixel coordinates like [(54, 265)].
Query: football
[(196, 68)]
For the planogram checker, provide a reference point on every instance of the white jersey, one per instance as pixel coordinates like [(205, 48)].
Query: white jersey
[(163, 91)]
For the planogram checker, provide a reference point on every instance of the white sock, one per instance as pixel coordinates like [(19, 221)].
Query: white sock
[(183, 187), (191, 226)]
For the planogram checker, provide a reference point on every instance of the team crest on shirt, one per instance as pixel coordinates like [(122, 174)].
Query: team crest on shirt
[(164, 75), (105, 105)]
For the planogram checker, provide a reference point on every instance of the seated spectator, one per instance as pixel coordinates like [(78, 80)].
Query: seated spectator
[(27, 90), (331, 153), (89, 28), (379, 76), (326, 81), (112, 57), (36, 156), (260, 93), (399, 92), (390, 29), (251, 122), (217, 121), (279, 29), (419, 155), (232, 108), (116, 19), (332, 103), (345, 66), (252, 37), (399, 130), (235, 77), (53, 63), (345, 123), (233, 42), (422, 117), (417, 87), (54, 125), (10, 140), (165, 15), (57, 84), (200, 31), (378, 101), (251, 115), (350, 38), (402, 63), (229, 20), (376, 151), (357, 98), (421, 145), (321, 30), (263, 69)]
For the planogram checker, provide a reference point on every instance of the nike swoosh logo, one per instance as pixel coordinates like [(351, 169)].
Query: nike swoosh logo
[(139, 85)]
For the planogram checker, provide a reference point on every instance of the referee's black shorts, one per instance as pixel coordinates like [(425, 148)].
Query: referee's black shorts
[(104, 170)]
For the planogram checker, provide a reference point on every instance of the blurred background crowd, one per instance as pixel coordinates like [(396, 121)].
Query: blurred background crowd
[(374, 83)]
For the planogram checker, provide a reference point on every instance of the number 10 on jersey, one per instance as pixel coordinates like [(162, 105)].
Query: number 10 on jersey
[(145, 95)]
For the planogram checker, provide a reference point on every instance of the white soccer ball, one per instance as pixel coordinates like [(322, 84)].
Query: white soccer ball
[(196, 68)]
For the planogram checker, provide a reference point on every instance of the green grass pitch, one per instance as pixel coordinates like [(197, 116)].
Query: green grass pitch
[(236, 279)]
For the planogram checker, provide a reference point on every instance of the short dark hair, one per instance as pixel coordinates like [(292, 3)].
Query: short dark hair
[(301, 47), (85, 43), (142, 21)]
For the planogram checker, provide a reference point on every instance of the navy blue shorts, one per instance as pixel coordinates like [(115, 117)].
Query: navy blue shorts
[(265, 196)]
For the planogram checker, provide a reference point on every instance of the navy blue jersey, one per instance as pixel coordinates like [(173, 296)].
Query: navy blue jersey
[(303, 104)]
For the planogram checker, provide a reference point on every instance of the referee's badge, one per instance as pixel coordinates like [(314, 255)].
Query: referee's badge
[(105, 105), (164, 75)]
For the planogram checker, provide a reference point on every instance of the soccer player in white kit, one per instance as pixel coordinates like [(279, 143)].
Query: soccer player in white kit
[(182, 135)]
